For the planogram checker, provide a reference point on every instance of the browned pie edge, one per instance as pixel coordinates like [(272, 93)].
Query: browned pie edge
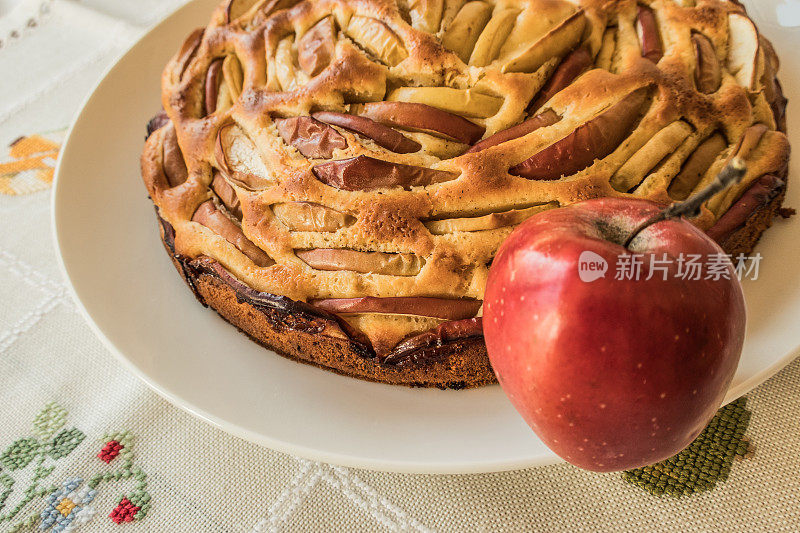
[(743, 240), (294, 331)]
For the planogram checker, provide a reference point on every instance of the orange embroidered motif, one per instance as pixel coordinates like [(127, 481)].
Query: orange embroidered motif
[(33, 161)]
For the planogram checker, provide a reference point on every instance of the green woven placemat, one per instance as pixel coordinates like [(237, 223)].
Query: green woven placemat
[(704, 462)]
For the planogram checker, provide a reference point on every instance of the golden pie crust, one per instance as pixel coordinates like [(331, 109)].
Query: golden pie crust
[(334, 177)]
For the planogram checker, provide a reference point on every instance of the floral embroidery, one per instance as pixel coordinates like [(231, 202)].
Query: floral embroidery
[(125, 511), (136, 504), (41, 450), (66, 507), (20, 453), (110, 451), (49, 420), (32, 164), (63, 443)]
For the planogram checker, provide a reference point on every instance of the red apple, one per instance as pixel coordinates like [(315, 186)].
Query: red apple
[(611, 374)]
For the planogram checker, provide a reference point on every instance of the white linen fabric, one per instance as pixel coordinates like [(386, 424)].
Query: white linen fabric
[(80, 435)]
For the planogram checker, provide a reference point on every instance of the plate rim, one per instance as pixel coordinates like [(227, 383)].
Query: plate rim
[(237, 430)]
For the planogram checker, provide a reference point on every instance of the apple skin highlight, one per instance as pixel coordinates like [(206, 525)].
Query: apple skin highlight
[(611, 374)]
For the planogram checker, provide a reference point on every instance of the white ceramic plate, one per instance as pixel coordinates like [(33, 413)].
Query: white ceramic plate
[(130, 293)]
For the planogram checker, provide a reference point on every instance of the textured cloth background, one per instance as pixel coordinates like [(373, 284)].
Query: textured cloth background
[(199, 479)]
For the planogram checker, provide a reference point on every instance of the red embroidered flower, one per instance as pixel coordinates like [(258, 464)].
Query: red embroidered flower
[(110, 451), (125, 511)]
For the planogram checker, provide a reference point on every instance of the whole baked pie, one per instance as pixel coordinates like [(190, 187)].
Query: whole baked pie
[(334, 177)]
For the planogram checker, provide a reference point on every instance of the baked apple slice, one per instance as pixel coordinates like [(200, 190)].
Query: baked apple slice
[(363, 173), (574, 64), (447, 332), (593, 140), (158, 121), (316, 48), (173, 163), (437, 145), (307, 216), (556, 43), (311, 137), (285, 70), (462, 34), (213, 79), (238, 159), (541, 120), (376, 38), (445, 308), (493, 37), (608, 46), (749, 141), (209, 216), (223, 84), (237, 9), (423, 118), (759, 194), (233, 74), (426, 15), (707, 70), (227, 195), (649, 36), (383, 136), (188, 51), (696, 166), (465, 102), (743, 50), (743, 149), (659, 146), (363, 262), (502, 219)]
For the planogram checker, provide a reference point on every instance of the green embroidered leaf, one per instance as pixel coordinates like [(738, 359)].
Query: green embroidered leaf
[(139, 498), (20, 453), (143, 510), (49, 420), (44, 471), (63, 443), (704, 462), (8, 484), (24, 524)]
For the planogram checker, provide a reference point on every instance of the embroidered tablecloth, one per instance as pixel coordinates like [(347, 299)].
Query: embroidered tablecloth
[(84, 446)]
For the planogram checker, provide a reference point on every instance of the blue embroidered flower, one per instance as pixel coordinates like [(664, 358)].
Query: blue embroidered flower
[(67, 508)]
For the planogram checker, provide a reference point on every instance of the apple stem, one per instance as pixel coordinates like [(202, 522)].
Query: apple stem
[(731, 174)]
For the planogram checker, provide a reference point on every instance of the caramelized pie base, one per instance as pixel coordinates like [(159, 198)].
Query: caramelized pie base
[(455, 365)]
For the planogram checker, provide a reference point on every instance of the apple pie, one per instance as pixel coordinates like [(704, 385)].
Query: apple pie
[(333, 177)]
